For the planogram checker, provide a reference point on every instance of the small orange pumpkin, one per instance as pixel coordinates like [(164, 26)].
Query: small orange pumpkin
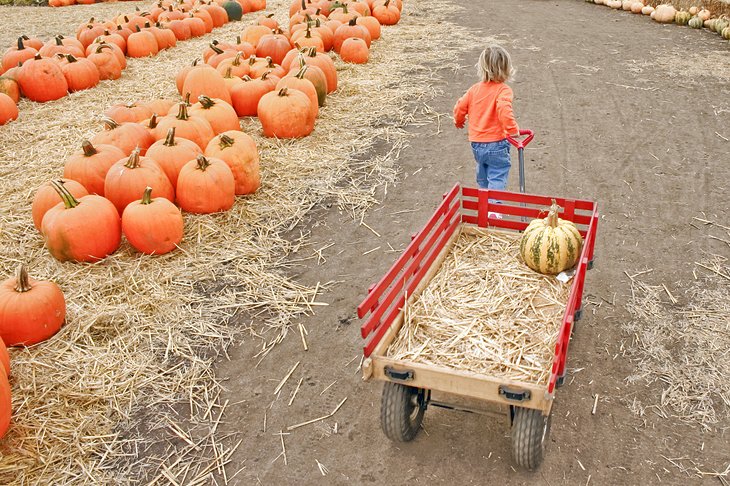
[(31, 311), (354, 50), (152, 226), (80, 73), (221, 115), (89, 165), (129, 177), (206, 186), (17, 55), (195, 128), (172, 153), (207, 82), (142, 44), (127, 136)]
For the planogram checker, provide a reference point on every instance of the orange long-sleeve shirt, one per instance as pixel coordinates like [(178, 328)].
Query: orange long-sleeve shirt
[(489, 107)]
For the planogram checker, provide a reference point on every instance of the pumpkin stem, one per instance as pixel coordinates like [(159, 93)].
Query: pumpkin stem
[(552, 217), (252, 60), (353, 21), (59, 40), (237, 60), (147, 196), (153, 121), (269, 16), (133, 161), (283, 91), (68, 200), (387, 2), (21, 278), (226, 141), (71, 58), (238, 39), (265, 76), (216, 49), (109, 123), (182, 113), (88, 149), (229, 72), (206, 102), (37, 57), (302, 72), (21, 46), (170, 138), (187, 99), (203, 163), (271, 63)]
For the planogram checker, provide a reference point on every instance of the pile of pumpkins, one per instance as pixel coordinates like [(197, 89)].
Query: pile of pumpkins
[(68, 3), (47, 71), (283, 77), (694, 17)]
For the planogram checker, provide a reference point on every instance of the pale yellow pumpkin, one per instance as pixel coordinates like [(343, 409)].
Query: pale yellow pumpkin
[(648, 10), (551, 245), (664, 14)]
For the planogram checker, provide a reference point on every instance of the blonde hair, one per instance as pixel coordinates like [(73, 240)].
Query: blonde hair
[(495, 64)]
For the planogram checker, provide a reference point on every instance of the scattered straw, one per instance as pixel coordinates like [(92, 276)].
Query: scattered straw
[(94, 404), (685, 347), (485, 311)]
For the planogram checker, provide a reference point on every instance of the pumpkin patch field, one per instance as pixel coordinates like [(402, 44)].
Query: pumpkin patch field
[(210, 250)]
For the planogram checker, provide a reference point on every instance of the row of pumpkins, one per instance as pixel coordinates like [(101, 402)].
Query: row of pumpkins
[(695, 17), (68, 3), (47, 71), (155, 152)]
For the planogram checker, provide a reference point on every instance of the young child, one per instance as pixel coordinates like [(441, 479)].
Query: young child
[(488, 104)]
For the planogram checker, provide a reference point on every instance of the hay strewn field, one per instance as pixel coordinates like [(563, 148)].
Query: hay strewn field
[(126, 391)]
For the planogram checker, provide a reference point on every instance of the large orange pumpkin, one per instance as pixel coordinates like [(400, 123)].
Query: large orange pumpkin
[(274, 46), (89, 165), (129, 177), (206, 186), (42, 80), (220, 114), (300, 82), (286, 114), (142, 44), (106, 62), (46, 197), (83, 230), (80, 73), (351, 29), (387, 13), (239, 151), (31, 310), (325, 64), (246, 96), (172, 153), (152, 226)]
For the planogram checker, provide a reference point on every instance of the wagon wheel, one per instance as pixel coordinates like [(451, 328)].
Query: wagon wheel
[(530, 430), (401, 411)]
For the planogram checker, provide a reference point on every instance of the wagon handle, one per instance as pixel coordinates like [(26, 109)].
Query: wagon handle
[(520, 144)]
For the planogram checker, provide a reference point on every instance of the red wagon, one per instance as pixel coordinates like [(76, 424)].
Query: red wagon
[(411, 387)]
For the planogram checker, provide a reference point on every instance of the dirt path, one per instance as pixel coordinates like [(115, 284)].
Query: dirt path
[(618, 120)]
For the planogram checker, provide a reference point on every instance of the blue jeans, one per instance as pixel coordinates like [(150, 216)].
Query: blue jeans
[(493, 163)]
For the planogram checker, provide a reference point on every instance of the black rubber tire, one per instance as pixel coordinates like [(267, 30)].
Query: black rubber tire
[(530, 431), (401, 413)]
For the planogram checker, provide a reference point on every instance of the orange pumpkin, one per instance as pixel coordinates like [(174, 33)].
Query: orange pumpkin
[(260, 65), (31, 311), (152, 226), (127, 136), (286, 114), (194, 128), (58, 46), (206, 82), (274, 46), (246, 96), (129, 177), (351, 29), (316, 76), (372, 24), (300, 82), (304, 38), (205, 186), (253, 33), (80, 73), (42, 80), (89, 33), (106, 62), (89, 165), (6, 403), (172, 153), (325, 64), (8, 109), (83, 230), (267, 20), (221, 115), (9, 86), (115, 49), (142, 44), (17, 55), (4, 360), (387, 13), (46, 197), (128, 112), (239, 151), (159, 106), (354, 50), (233, 67)]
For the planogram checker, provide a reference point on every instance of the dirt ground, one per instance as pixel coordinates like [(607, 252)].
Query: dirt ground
[(626, 112)]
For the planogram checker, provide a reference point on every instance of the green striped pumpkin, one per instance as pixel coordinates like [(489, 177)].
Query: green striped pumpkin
[(551, 245)]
